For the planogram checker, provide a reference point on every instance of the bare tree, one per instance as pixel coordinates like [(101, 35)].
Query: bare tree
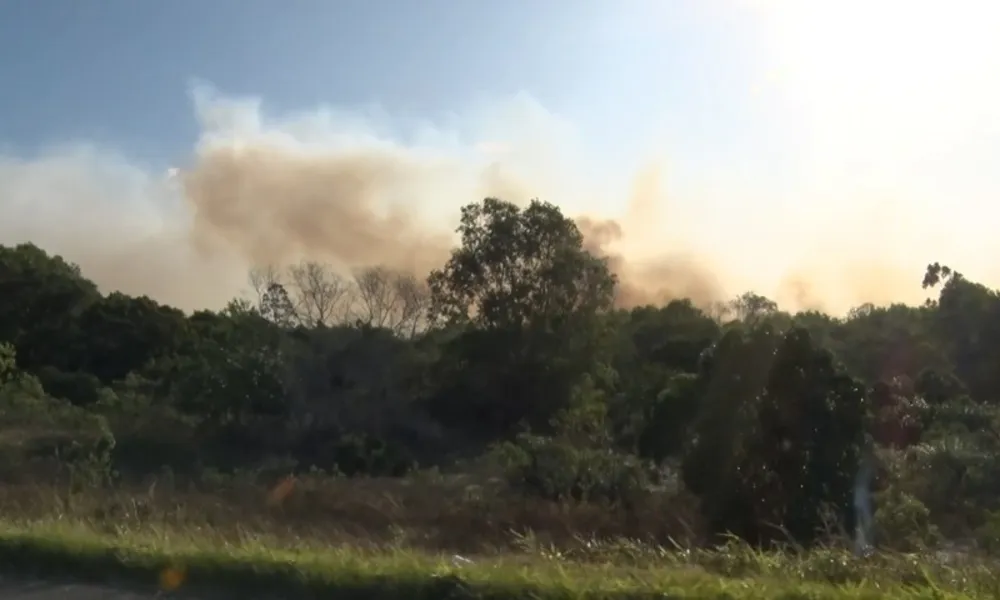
[(751, 307), (312, 294), (391, 299), (320, 295), (416, 302), (273, 302), (261, 279), (860, 312), (720, 312)]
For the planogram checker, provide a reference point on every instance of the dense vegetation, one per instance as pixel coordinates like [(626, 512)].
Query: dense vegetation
[(511, 370)]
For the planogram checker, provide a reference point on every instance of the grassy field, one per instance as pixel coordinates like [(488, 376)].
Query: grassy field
[(255, 542)]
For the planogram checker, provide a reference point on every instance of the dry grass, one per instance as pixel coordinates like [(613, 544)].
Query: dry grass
[(430, 512), (380, 538)]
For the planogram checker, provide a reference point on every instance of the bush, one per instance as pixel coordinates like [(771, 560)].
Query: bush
[(52, 435), (554, 469), (902, 522), (353, 454), (82, 389), (987, 535)]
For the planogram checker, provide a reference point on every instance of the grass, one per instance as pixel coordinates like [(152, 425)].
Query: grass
[(306, 570), (151, 538)]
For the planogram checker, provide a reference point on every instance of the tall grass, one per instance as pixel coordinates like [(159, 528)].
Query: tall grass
[(429, 538)]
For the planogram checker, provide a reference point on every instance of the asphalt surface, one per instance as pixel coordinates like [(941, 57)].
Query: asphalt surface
[(10, 590), (14, 589), (17, 589)]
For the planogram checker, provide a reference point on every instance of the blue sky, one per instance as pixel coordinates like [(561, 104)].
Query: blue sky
[(118, 71), (792, 143)]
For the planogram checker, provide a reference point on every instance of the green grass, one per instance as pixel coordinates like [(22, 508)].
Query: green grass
[(299, 568)]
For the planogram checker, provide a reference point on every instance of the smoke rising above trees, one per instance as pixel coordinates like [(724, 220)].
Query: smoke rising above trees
[(349, 191)]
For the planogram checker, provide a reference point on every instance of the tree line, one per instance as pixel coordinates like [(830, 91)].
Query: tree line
[(515, 350)]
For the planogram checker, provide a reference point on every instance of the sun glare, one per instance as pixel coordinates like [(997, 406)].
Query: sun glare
[(885, 78)]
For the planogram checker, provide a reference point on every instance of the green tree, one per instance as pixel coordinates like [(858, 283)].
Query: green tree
[(751, 308), (656, 355), (878, 343), (8, 363), (42, 297), (527, 298), (519, 267), (966, 322), (233, 372), (121, 334), (779, 436)]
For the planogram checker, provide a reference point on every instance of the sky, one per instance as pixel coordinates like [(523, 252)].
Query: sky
[(820, 153)]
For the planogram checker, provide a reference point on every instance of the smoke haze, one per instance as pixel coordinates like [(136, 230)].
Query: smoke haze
[(355, 190)]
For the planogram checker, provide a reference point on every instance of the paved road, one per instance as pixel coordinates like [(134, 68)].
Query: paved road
[(39, 590), (15, 589), (10, 590)]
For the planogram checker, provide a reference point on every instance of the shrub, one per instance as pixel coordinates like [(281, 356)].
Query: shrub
[(554, 469), (902, 522)]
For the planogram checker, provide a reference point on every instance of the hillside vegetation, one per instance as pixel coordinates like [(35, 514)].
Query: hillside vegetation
[(505, 407)]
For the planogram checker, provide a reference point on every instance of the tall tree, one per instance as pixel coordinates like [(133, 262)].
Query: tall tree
[(779, 435), (519, 267), (527, 296)]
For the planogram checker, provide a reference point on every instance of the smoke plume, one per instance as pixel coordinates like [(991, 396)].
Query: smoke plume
[(356, 189)]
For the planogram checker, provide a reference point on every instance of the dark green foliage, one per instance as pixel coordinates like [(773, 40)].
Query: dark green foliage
[(120, 335), (528, 300), (79, 387), (555, 469), (778, 437), (516, 344)]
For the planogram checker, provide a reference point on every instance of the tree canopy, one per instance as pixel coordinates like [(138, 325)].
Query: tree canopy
[(514, 352)]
